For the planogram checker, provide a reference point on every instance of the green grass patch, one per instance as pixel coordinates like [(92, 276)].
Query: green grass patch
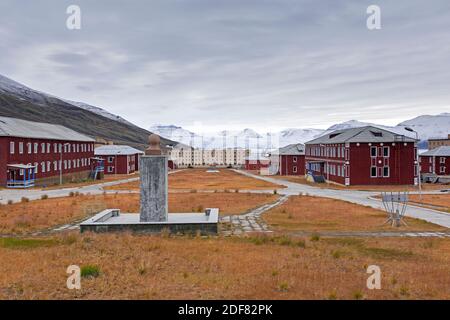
[(90, 271), (18, 243)]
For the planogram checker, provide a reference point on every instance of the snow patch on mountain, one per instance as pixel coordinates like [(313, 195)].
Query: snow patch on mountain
[(25, 93)]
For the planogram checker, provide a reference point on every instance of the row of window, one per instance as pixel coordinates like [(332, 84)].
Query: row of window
[(48, 166), (330, 152), (46, 148), (379, 151), (430, 160), (335, 170), (379, 172)]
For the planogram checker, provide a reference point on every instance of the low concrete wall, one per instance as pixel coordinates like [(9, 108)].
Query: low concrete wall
[(184, 228)]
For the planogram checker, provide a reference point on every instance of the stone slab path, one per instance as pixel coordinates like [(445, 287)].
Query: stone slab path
[(251, 221)]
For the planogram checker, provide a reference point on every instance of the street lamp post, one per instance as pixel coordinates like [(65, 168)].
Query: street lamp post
[(417, 161)]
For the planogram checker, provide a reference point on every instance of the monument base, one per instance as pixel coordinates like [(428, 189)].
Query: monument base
[(112, 220)]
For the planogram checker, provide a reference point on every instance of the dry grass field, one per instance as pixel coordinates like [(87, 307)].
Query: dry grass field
[(125, 266), (302, 180), (439, 200), (199, 179), (42, 214), (305, 213)]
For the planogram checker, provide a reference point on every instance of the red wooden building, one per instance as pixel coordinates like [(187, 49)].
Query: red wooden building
[(436, 161), (363, 156), (256, 162), (288, 161), (119, 159), (41, 152)]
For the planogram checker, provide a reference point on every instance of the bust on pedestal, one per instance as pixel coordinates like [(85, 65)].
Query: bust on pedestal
[(154, 183)]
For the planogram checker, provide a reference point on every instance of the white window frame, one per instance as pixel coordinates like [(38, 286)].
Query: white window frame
[(388, 151), (29, 147), (442, 160), (294, 169), (43, 167), (371, 153), (294, 159), (442, 169), (12, 147), (43, 147), (371, 172), (36, 148), (20, 147), (388, 172)]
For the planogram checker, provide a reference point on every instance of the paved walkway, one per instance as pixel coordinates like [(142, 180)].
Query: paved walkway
[(364, 198), (250, 222)]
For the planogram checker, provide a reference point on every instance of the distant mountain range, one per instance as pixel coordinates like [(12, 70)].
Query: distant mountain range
[(427, 126), (20, 101)]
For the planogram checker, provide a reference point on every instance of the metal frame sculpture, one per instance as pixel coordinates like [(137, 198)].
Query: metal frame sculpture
[(395, 205)]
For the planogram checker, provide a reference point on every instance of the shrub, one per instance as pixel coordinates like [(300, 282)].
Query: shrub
[(284, 286), (24, 200), (275, 191), (90, 271), (315, 237), (44, 197), (71, 194), (10, 202), (332, 295), (301, 243), (357, 295)]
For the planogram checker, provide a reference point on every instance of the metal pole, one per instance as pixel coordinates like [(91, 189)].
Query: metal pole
[(418, 167), (60, 166)]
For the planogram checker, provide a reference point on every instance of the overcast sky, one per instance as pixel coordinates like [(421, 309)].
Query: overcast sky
[(230, 64)]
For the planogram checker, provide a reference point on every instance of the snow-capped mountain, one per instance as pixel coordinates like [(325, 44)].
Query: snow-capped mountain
[(25, 93), (247, 138), (10, 86), (429, 126), (426, 126)]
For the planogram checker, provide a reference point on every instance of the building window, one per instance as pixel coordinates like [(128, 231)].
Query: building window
[(69, 164), (20, 147), (55, 148), (442, 160), (43, 167), (36, 147), (11, 147), (110, 169), (110, 159), (386, 172), (48, 166), (65, 164), (386, 152), (442, 169), (373, 171), (294, 169), (294, 159), (55, 165), (42, 147), (29, 148), (373, 151), (48, 147)]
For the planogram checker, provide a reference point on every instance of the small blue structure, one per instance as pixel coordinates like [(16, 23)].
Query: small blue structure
[(21, 176)]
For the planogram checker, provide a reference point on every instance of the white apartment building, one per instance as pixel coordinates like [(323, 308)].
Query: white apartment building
[(184, 156)]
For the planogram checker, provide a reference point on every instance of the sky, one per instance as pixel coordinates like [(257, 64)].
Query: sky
[(233, 64)]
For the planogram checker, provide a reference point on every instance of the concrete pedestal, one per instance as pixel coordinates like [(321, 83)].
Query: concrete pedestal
[(154, 184)]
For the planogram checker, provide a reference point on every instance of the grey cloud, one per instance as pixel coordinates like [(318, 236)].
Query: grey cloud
[(285, 62)]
